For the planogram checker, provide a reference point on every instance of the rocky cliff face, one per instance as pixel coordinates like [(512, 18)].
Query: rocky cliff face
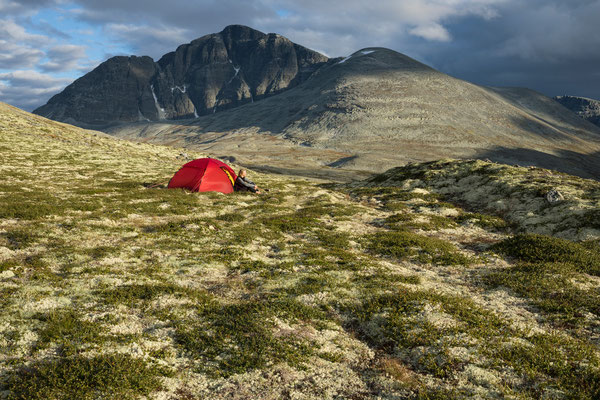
[(236, 66), (588, 109), (117, 90)]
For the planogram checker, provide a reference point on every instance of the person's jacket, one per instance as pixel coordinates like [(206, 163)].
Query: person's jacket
[(242, 184)]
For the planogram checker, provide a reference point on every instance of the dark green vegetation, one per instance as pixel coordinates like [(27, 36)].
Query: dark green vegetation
[(394, 323), (67, 330), (550, 271), (570, 367), (111, 377), (411, 245), (482, 220), (545, 249), (236, 338), (405, 203), (139, 294)]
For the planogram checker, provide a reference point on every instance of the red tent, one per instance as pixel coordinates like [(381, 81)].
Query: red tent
[(204, 175)]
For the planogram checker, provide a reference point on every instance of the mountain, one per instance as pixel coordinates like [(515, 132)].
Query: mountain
[(588, 109), (113, 287), (369, 111), (378, 108), (215, 72)]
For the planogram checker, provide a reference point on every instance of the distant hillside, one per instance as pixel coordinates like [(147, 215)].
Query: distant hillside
[(381, 108), (236, 66), (588, 109)]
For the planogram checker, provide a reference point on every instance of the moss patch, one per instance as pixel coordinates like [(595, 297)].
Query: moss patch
[(236, 338), (539, 248), (108, 377), (413, 246)]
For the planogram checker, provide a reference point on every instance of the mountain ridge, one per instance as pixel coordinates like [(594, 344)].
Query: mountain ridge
[(380, 107), (586, 108), (217, 71), (374, 108)]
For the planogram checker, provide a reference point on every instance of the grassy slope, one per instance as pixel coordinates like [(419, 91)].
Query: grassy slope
[(309, 291), (515, 193)]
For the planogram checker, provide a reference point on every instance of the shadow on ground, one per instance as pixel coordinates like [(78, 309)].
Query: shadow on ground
[(570, 162)]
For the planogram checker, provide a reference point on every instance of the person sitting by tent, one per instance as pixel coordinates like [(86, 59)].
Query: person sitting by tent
[(243, 184)]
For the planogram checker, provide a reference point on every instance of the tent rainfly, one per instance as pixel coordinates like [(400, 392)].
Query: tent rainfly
[(204, 175)]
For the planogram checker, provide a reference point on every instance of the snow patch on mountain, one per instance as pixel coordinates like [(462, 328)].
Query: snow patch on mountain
[(159, 109)]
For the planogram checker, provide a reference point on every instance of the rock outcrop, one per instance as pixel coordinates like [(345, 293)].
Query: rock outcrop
[(588, 109), (219, 71)]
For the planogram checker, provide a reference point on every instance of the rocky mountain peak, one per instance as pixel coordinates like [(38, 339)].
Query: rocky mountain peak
[(588, 109), (240, 33), (215, 72)]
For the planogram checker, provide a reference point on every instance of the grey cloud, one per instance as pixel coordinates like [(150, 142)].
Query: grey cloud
[(29, 89), (388, 23), (163, 39), (549, 31), (32, 78), (18, 48), (335, 27), (161, 26), (64, 58), (13, 56), (47, 28), (200, 16), (23, 7), (544, 45), (16, 33)]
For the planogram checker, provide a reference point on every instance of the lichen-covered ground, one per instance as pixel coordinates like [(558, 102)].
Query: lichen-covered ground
[(397, 287)]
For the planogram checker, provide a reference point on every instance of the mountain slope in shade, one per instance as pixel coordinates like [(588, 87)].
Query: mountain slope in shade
[(382, 108), (588, 109), (215, 72)]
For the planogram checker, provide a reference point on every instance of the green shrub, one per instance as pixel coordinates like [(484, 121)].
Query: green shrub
[(384, 280), (67, 329), (231, 217), (393, 321), (20, 238), (400, 244), (550, 287), (8, 264), (30, 205), (533, 248), (113, 377), (333, 239), (236, 338), (329, 258), (290, 222), (38, 204), (482, 220), (554, 362), (316, 283)]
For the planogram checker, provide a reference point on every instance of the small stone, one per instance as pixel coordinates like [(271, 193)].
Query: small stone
[(554, 196), (7, 274)]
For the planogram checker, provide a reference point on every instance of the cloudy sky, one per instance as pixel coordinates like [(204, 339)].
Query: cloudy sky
[(548, 45)]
